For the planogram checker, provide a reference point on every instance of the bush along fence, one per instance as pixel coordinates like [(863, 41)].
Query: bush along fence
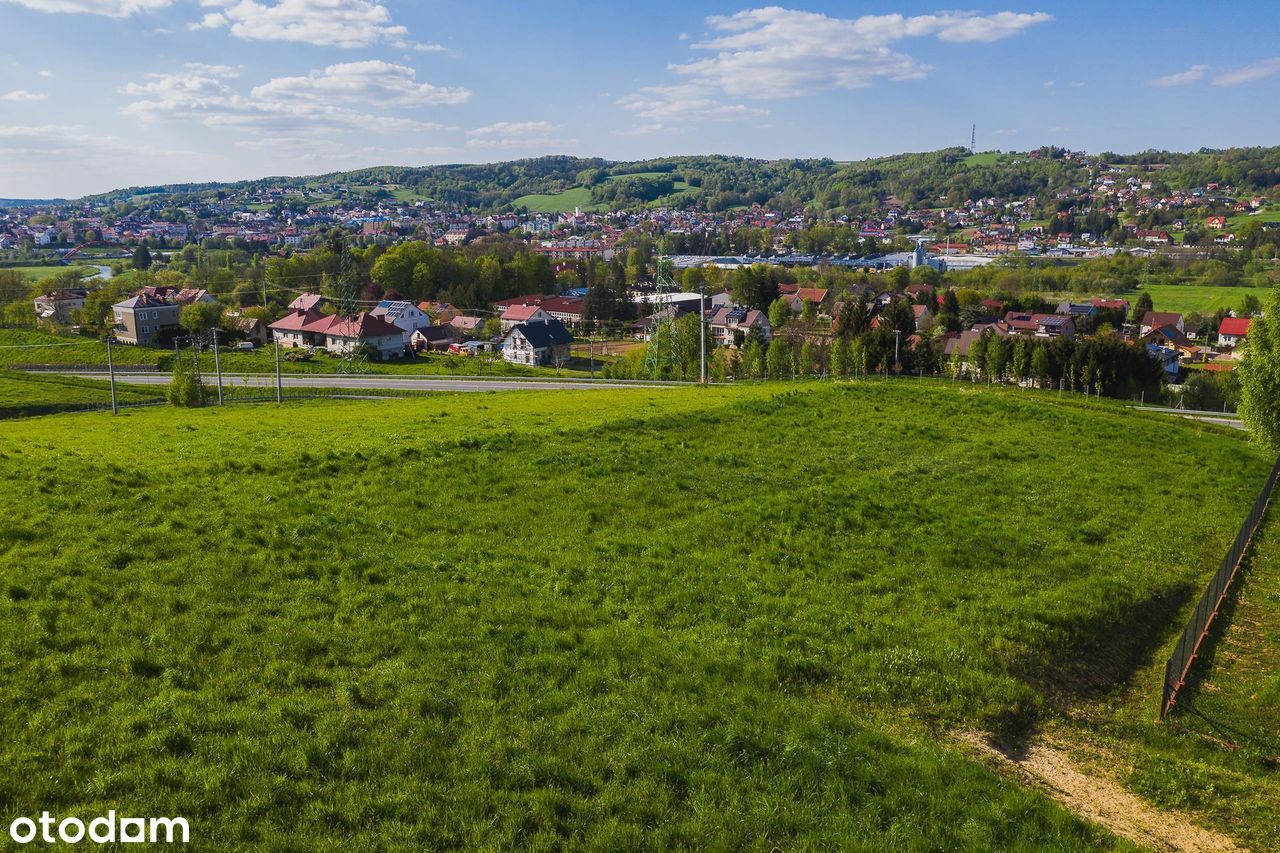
[(1178, 667)]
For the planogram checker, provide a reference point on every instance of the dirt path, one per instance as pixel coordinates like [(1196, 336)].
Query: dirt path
[(1101, 800)]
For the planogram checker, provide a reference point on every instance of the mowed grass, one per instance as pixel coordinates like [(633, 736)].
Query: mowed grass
[(1205, 299), (27, 395), (1218, 755), (561, 202), (23, 347), (41, 273), (642, 619)]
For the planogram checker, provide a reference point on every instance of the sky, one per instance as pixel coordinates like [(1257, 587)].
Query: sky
[(102, 94)]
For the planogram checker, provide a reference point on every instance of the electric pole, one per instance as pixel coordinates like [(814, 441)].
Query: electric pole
[(217, 365), (279, 389), (111, 372), (702, 330)]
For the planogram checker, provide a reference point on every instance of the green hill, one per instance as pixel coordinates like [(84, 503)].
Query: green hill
[(633, 619), (947, 177)]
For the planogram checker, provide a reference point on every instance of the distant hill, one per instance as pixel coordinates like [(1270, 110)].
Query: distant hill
[(31, 202), (943, 178)]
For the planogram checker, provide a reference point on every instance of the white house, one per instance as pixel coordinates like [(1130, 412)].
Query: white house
[(545, 342)]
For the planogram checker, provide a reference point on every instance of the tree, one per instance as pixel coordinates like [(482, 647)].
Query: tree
[(841, 357), (779, 360), (184, 391), (1141, 307), (779, 313), (753, 366), (808, 359), (200, 317), (1260, 376), (1040, 365), (142, 258)]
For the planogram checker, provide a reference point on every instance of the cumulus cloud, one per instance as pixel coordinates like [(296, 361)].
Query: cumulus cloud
[(1181, 78), (337, 97), (1250, 73), (109, 8), (687, 101), (329, 23), (22, 96), (518, 134), (373, 82), (774, 53)]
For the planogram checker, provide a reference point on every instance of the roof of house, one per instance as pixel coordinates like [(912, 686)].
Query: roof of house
[(306, 302), (1235, 326), (392, 309), (816, 295), (1171, 334), (433, 333), (560, 305), (1161, 318), (543, 333), (360, 327), (298, 321), (464, 322), (520, 313)]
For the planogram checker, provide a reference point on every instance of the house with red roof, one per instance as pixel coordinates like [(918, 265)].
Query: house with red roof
[(339, 335), (1233, 331), (514, 315)]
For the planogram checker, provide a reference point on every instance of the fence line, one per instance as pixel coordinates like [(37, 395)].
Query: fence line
[(1178, 667)]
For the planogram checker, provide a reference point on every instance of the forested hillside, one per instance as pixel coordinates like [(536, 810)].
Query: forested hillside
[(938, 178)]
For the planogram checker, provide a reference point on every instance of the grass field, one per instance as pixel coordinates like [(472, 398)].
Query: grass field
[(1204, 299), (25, 395), (561, 202), (41, 273), (21, 347), (986, 158), (644, 619), (1218, 756)]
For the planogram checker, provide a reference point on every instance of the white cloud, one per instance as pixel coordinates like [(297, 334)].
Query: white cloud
[(685, 102), (331, 23), (338, 97), (1005, 131), (518, 134), (1182, 78), (643, 130), (773, 53), (109, 8), (22, 96), (46, 73), (1257, 71), (374, 82)]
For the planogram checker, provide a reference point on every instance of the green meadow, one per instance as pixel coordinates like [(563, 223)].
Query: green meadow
[(1205, 299), (677, 618), (27, 395)]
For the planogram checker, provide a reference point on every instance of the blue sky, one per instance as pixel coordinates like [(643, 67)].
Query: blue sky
[(98, 94)]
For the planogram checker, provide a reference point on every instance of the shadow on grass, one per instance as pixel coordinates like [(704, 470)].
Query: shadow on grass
[(1108, 650)]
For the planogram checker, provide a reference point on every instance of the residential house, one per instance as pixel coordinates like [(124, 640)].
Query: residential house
[(566, 309), (437, 338), (404, 315), (731, 325), (139, 319), (342, 335), (339, 335), (441, 313), (1216, 222), (56, 306), (1156, 319), (1233, 331), (537, 342), (514, 315)]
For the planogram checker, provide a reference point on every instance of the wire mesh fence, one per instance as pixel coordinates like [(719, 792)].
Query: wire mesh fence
[(1178, 668)]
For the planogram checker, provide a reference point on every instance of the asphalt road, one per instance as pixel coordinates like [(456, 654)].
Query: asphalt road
[(409, 383)]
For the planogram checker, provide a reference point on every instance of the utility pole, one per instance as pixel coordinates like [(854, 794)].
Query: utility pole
[(897, 337), (217, 365), (279, 388), (702, 330), (111, 371), (591, 353)]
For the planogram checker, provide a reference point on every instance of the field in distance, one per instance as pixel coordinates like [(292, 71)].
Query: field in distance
[(636, 619)]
